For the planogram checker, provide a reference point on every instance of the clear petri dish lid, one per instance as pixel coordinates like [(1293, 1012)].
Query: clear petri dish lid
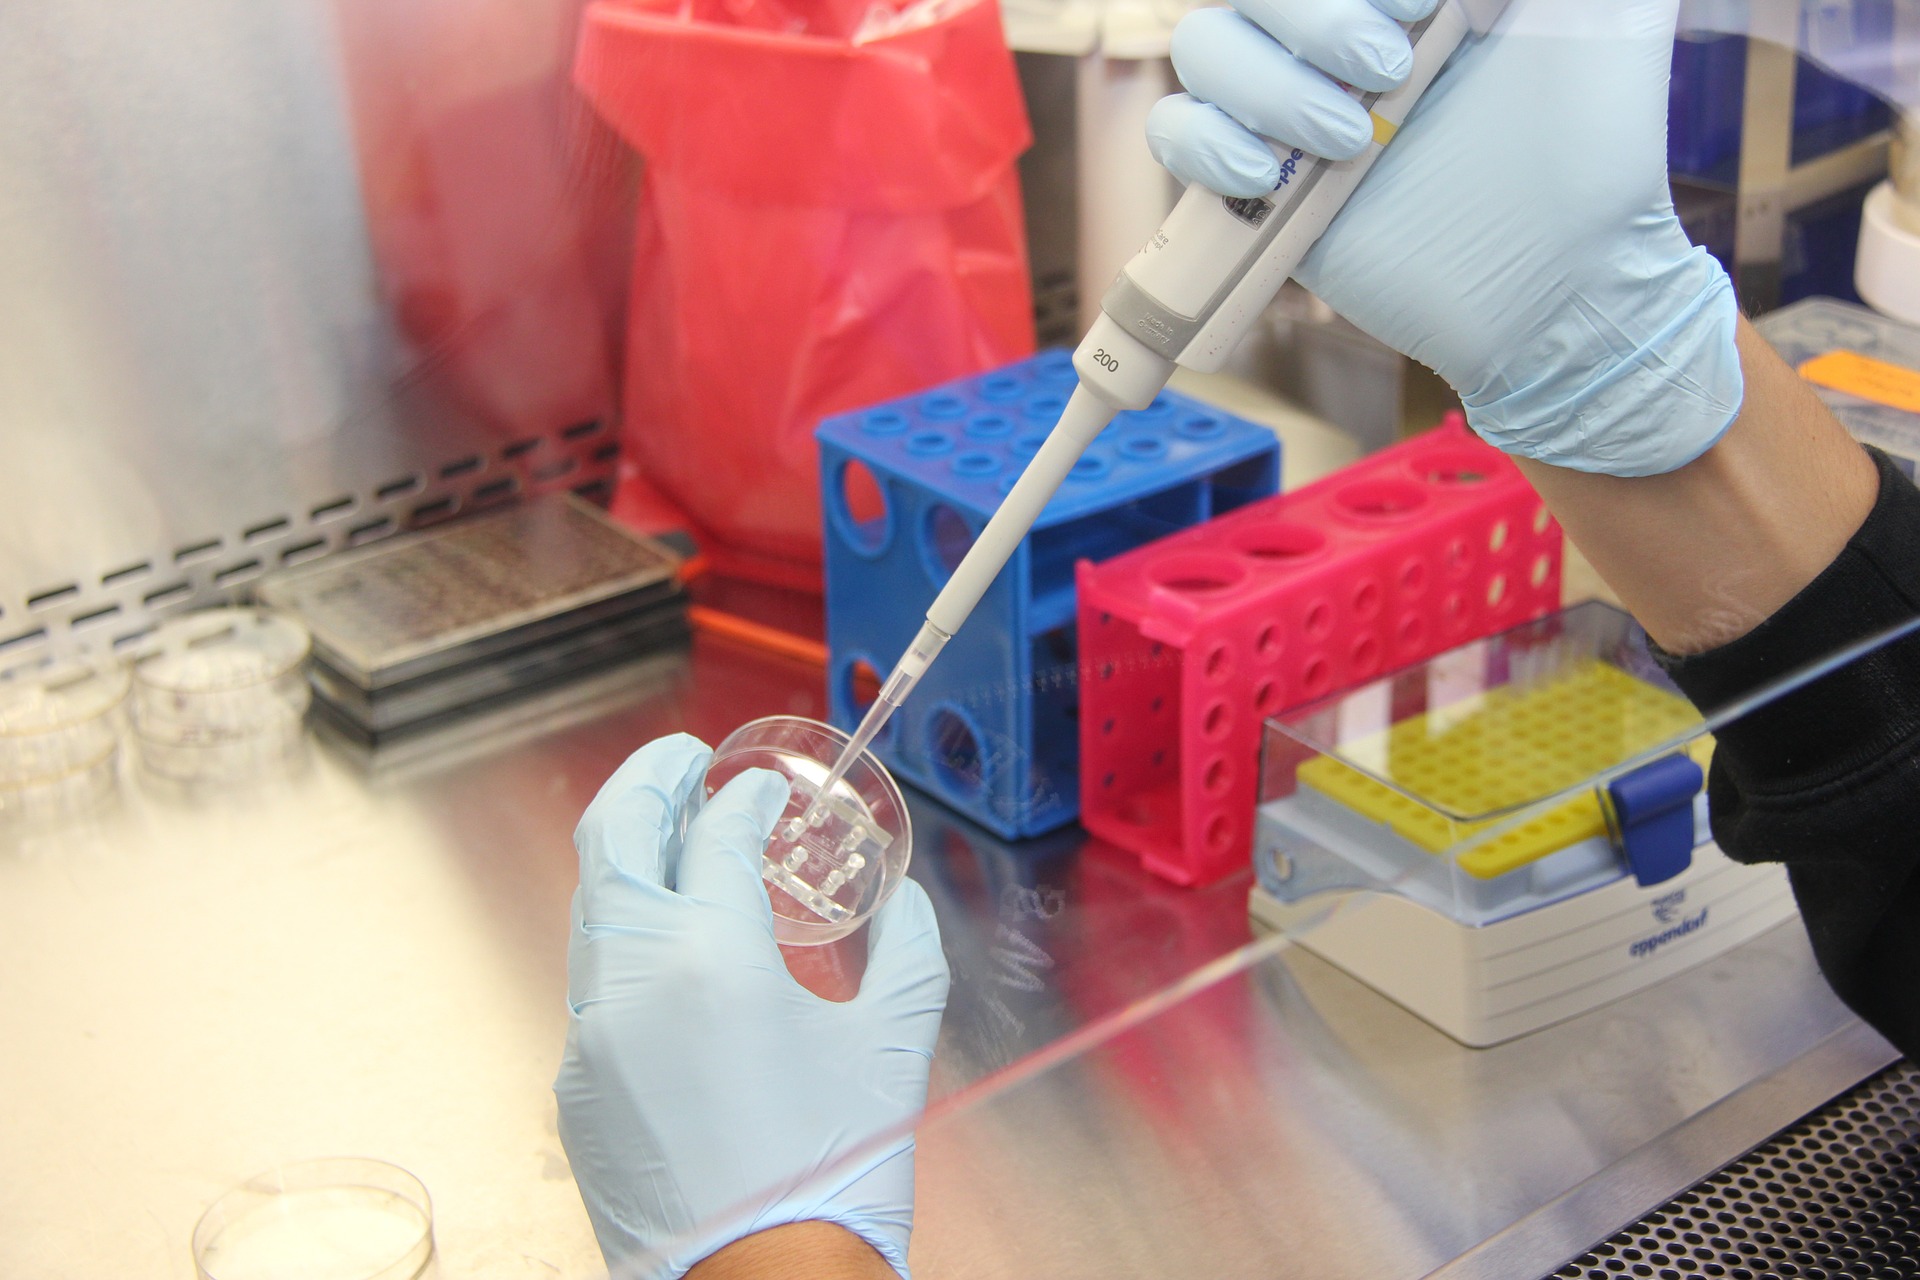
[(342, 1218), (64, 695), (824, 880), (221, 650)]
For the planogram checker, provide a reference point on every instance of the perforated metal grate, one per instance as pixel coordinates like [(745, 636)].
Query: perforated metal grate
[(1837, 1195)]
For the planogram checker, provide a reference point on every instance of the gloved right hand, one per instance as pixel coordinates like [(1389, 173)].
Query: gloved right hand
[(1517, 236)]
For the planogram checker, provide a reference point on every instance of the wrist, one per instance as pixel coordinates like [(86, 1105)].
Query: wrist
[(1638, 375), (795, 1251)]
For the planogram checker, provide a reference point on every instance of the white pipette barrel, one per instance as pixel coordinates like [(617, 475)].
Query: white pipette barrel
[(1187, 298)]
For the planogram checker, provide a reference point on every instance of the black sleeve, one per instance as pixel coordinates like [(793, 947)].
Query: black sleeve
[(1827, 779)]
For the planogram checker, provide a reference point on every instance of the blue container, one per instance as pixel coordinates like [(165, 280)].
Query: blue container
[(1707, 99), (993, 728)]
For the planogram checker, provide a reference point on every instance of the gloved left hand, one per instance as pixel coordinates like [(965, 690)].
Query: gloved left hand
[(703, 1089)]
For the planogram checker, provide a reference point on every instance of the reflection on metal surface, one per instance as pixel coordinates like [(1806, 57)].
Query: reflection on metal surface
[(374, 960), (1289, 1122), (280, 279)]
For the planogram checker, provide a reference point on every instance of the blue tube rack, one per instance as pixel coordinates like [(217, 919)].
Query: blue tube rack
[(993, 728)]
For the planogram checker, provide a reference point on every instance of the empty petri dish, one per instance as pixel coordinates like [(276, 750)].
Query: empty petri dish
[(838, 872), (59, 738), (342, 1218), (221, 694), (220, 673)]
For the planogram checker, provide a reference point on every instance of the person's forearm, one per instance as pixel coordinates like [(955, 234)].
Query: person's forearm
[(1704, 554), (799, 1251)]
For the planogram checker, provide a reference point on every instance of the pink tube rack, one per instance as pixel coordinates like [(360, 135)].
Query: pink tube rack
[(1189, 643)]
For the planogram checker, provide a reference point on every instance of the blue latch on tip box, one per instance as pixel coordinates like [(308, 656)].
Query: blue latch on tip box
[(1652, 816)]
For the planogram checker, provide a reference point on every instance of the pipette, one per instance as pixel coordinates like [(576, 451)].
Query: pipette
[(1187, 299)]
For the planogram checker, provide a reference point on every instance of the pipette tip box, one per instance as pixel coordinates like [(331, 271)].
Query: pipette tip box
[(991, 729), (1507, 835)]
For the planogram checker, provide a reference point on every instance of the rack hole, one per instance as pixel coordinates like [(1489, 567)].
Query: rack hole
[(948, 539), (1218, 777), (1219, 663), (1497, 536), (1316, 677), (1413, 578), (1366, 600), (1265, 694), (520, 448), (863, 506), (1318, 623), (1197, 575), (1267, 643), (1497, 590), (1219, 833), (463, 466), (397, 488), (580, 430), (120, 575), (1542, 566), (1366, 656), (1381, 499), (337, 507), (863, 685), (1541, 518), (1281, 542), (1214, 723), (1412, 633), (1451, 467)]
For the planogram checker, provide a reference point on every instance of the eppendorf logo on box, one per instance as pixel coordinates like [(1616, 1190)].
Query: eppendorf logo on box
[(1667, 910)]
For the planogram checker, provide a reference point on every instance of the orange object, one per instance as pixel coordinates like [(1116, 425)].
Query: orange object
[(1853, 374), (716, 622)]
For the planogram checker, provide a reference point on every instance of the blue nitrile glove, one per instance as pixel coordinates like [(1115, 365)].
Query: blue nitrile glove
[(1518, 236), (703, 1089)]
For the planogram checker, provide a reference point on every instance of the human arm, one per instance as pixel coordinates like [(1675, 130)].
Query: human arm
[(797, 1251), (1701, 555), (1518, 236), (705, 1096)]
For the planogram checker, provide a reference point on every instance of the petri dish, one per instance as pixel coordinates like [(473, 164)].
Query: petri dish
[(59, 738), (221, 694), (340, 1218), (826, 883)]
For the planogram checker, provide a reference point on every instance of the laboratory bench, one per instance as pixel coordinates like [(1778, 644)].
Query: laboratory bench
[(368, 958)]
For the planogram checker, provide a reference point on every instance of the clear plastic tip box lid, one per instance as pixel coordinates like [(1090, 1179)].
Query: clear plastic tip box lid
[(1501, 776)]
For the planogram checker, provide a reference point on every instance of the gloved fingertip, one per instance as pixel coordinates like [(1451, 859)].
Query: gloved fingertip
[(762, 793), (1406, 10), (903, 943), (1200, 143)]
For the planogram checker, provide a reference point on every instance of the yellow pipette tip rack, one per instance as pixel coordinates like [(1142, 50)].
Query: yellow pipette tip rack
[(1501, 749)]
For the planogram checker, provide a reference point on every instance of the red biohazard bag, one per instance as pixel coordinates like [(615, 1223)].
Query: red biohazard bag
[(830, 217)]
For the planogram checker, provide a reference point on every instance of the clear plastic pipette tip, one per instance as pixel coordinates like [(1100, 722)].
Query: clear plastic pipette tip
[(906, 674)]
